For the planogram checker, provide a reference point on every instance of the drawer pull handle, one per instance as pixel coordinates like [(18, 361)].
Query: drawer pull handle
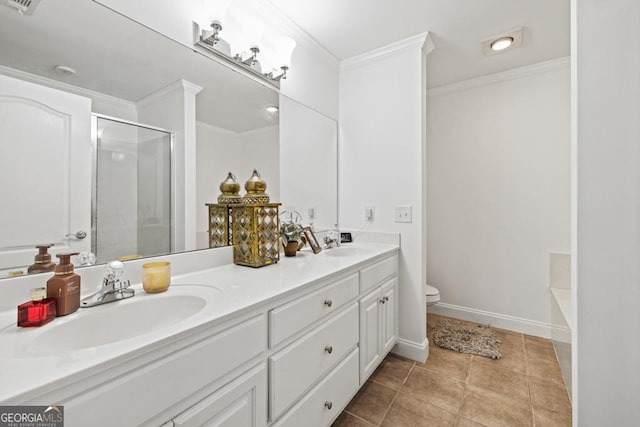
[(328, 404), (328, 349), (328, 302)]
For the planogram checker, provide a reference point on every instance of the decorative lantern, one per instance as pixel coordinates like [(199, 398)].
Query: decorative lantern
[(256, 234)]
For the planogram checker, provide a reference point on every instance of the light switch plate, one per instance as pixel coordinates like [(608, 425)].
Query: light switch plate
[(403, 214), (370, 213)]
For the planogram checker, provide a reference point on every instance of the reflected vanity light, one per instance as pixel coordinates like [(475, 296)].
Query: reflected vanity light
[(271, 109), (275, 55)]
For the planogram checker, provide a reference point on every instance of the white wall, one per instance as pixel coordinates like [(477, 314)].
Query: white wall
[(220, 151), (498, 194), (381, 164), (308, 164), (606, 234)]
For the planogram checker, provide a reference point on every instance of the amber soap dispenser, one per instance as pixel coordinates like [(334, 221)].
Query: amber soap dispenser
[(64, 286), (42, 262)]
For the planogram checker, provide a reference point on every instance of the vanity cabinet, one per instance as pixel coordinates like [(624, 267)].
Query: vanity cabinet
[(328, 341), (378, 326), (292, 357), (162, 386)]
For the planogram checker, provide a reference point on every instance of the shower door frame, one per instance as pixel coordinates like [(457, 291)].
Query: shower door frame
[(94, 175)]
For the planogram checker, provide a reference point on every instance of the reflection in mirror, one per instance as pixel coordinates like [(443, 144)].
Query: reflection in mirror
[(132, 191), (98, 61)]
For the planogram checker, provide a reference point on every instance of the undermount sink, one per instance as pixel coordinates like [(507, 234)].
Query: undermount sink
[(118, 321)]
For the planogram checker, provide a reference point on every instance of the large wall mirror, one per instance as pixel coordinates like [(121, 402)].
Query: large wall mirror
[(111, 129)]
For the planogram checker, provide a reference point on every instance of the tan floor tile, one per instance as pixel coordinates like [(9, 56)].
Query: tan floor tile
[(392, 372), (465, 422), (512, 359), (547, 369), (432, 319), (549, 395), (348, 420), (495, 409), (447, 362), (545, 418), (407, 411), (432, 387), (539, 348), (371, 402), (500, 380)]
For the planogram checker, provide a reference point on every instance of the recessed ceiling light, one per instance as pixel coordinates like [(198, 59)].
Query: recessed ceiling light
[(502, 42)]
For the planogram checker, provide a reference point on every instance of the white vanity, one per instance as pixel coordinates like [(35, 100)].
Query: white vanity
[(284, 345)]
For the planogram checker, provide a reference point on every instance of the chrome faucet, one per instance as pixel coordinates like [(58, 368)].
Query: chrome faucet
[(113, 287)]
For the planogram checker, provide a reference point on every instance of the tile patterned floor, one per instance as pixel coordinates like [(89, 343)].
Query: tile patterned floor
[(524, 388)]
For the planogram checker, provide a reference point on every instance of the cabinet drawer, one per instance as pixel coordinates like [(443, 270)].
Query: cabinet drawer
[(294, 369), (290, 318), (376, 274), (167, 381), (322, 405)]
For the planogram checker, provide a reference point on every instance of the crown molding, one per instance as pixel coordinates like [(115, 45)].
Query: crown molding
[(300, 35), (516, 73), (100, 97), (181, 85), (418, 41)]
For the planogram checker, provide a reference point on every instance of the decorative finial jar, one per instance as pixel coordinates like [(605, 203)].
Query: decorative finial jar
[(230, 189)]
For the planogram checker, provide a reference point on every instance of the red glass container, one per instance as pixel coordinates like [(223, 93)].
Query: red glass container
[(38, 311)]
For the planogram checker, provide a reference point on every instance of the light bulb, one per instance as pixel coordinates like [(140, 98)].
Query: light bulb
[(501, 43)]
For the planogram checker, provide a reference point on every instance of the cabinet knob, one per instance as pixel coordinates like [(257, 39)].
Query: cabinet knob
[(328, 302), (386, 298), (381, 300), (328, 349), (328, 404)]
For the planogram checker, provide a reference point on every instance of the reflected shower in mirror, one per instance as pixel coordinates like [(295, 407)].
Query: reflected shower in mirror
[(132, 191)]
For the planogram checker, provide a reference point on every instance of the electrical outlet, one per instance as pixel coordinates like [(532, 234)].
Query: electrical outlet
[(403, 214), (370, 213)]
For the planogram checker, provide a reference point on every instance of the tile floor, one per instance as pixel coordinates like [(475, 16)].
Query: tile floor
[(523, 388)]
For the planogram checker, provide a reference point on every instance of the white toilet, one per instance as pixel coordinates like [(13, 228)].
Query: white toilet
[(433, 295)]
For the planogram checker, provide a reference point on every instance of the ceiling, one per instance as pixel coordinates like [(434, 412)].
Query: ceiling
[(347, 28)]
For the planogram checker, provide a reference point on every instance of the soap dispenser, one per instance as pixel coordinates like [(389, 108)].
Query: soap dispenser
[(42, 262), (64, 286)]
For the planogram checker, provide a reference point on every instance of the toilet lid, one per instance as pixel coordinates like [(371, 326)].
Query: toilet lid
[(432, 291)]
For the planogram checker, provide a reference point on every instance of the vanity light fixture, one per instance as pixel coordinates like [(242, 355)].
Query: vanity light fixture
[(271, 109), (265, 56), (502, 42)]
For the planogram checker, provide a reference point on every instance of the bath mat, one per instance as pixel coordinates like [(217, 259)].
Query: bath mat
[(467, 338)]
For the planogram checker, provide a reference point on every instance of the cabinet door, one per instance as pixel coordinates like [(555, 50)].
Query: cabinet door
[(370, 356), (241, 403), (388, 323)]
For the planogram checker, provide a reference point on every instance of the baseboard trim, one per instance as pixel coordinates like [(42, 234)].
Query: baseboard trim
[(412, 350), (502, 321)]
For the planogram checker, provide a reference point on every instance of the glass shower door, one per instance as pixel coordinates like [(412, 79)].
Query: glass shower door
[(132, 190)]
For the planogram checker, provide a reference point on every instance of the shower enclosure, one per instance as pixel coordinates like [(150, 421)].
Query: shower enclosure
[(131, 197)]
